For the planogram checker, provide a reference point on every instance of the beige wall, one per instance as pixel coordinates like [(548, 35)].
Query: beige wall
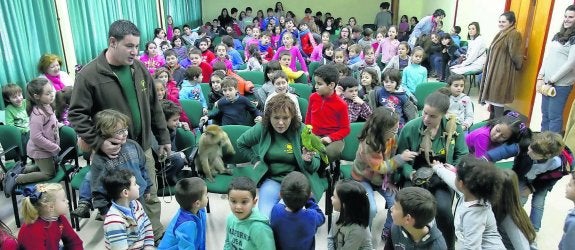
[(363, 10), (485, 12)]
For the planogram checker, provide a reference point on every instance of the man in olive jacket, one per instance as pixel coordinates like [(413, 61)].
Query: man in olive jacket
[(117, 80)]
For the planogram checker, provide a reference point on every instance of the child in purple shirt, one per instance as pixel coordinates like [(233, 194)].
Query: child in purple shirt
[(288, 42), (505, 129)]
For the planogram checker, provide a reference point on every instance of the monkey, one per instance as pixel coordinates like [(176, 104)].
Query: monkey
[(214, 143)]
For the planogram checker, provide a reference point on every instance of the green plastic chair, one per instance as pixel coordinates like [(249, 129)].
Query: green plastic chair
[(217, 40), (193, 110), (462, 44), (302, 79), (350, 149), (242, 54), (424, 89), (303, 90), (256, 77), (63, 169), (186, 141), (11, 140), (206, 90), (478, 125), (302, 103), (312, 67)]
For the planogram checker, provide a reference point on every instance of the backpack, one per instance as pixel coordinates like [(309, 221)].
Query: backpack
[(565, 169)]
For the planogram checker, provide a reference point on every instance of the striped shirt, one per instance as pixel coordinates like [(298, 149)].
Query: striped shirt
[(127, 228)]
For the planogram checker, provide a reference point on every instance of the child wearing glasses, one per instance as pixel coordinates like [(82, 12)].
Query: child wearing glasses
[(111, 123)]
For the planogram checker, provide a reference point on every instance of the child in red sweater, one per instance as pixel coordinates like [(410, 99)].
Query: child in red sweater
[(207, 55), (44, 207), (195, 59), (327, 112)]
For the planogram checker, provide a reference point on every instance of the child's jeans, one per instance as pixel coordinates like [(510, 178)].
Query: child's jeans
[(85, 189), (389, 197), (537, 201)]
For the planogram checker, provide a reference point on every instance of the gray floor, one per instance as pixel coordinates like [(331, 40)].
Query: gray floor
[(92, 234)]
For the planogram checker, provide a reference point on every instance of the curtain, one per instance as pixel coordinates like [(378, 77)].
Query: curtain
[(144, 14), (90, 21), (28, 29), (184, 12)]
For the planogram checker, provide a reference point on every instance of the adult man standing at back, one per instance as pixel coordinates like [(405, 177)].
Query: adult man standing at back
[(383, 17), (116, 80)]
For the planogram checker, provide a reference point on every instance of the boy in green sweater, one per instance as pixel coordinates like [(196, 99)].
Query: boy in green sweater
[(246, 227), (16, 111)]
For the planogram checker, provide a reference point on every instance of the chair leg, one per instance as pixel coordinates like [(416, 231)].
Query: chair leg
[(15, 208)]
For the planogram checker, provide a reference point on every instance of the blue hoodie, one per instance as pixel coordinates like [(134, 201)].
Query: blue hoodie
[(193, 91), (186, 231)]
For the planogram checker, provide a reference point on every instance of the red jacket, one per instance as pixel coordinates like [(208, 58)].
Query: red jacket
[(328, 116), (173, 94), (208, 56), (206, 72), (269, 55), (307, 43), (44, 235)]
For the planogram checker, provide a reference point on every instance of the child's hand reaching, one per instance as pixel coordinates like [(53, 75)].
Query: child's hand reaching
[(258, 119), (203, 120), (408, 155), (185, 126)]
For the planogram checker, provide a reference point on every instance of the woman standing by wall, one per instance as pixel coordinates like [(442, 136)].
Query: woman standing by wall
[(504, 61), (557, 72)]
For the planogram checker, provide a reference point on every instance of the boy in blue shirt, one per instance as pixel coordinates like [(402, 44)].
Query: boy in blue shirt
[(191, 89), (187, 230), (298, 213), (233, 108)]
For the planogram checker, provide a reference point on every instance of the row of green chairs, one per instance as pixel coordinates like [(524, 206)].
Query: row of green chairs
[(11, 137)]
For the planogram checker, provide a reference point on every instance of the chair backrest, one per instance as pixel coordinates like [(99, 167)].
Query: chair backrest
[(193, 110), (256, 77), (478, 125), (242, 54), (303, 90), (69, 139), (351, 142), (12, 136), (312, 67), (206, 89), (185, 139), (302, 79), (234, 132), (303, 103), (424, 89)]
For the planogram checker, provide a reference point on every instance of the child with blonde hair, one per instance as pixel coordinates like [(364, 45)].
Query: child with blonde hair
[(44, 207)]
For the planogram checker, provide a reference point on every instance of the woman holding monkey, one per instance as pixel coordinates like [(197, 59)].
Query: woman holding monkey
[(274, 144)]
